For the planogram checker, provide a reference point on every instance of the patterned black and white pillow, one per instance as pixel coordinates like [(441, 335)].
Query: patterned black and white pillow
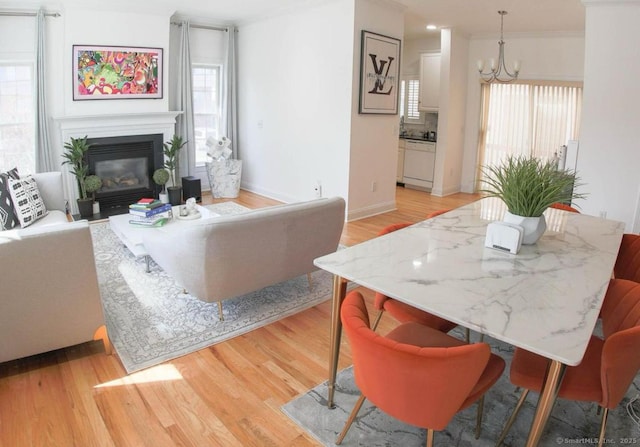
[(27, 201), (8, 219)]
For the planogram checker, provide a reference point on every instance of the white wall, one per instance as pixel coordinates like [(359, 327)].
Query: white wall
[(411, 50), (559, 57), (609, 153), (294, 96), (452, 102), (374, 138)]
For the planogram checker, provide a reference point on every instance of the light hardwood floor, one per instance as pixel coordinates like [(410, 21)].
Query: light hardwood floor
[(227, 395)]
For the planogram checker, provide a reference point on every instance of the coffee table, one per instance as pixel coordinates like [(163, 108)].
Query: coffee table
[(131, 235)]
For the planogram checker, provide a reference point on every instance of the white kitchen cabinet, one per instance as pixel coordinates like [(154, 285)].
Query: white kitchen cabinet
[(429, 82), (400, 172), (419, 163)]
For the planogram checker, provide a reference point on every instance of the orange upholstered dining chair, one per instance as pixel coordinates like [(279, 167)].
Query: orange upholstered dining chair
[(628, 260), (416, 374), (608, 366), (564, 207), (401, 311)]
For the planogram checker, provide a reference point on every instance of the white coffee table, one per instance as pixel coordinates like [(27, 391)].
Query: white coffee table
[(131, 235)]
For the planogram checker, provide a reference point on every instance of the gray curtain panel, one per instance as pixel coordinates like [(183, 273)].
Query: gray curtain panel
[(184, 101), (44, 155), (229, 97)]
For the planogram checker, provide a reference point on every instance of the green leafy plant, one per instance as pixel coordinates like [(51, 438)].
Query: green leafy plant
[(92, 183), (161, 177), (76, 148), (528, 186), (172, 154)]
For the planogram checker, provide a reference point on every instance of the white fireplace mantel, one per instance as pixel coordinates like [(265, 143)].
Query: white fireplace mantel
[(115, 125), (97, 126)]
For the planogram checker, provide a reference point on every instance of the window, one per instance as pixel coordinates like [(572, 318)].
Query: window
[(17, 117), (206, 107), (529, 119), (409, 98)]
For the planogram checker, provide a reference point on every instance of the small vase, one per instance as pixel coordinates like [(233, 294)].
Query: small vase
[(534, 227)]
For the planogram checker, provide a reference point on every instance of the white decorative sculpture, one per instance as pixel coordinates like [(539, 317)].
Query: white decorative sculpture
[(224, 173)]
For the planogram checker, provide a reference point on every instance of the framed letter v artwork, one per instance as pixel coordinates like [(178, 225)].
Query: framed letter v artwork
[(379, 74)]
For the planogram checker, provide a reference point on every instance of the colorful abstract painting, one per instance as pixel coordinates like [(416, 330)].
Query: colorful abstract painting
[(102, 72)]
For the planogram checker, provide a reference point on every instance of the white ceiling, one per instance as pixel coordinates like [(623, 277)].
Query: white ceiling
[(470, 17)]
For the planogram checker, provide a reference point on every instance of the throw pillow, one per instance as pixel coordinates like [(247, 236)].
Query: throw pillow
[(27, 201), (8, 217)]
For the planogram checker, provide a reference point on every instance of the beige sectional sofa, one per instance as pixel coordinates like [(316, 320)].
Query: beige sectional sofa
[(223, 257), (49, 296)]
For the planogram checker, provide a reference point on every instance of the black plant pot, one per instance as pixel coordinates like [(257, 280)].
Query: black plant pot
[(85, 207), (175, 195)]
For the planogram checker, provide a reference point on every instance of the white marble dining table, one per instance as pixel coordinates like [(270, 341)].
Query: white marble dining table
[(545, 299)]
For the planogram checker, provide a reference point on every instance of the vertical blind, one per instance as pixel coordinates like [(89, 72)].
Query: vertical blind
[(528, 119)]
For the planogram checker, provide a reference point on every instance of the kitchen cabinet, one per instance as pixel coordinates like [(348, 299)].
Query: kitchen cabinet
[(400, 170), (429, 82), (419, 163)]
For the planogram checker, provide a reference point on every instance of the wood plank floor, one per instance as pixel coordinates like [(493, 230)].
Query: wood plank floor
[(227, 395)]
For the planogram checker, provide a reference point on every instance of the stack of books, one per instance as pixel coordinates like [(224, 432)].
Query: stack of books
[(149, 213)]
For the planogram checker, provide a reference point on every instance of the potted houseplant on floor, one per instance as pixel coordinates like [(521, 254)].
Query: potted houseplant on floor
[(92, 184), (76, 149), (160, 178), (528, 186), (172, 163)]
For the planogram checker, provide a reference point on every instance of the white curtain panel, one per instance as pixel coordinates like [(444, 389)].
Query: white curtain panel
[(44, 155), (229, 97), (184, 101)]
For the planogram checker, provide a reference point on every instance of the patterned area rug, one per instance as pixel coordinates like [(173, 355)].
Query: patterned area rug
[(150, 320), (570, 422)]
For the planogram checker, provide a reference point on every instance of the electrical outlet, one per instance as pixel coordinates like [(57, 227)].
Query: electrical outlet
[(318, 189), (374, 186)]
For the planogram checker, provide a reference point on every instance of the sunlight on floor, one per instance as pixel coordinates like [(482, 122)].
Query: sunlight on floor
[(160, 373)]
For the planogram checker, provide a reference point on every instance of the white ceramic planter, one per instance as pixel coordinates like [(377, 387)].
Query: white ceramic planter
[(534, 227)]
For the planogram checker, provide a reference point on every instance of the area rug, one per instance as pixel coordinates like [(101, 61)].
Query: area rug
[(150, 320), (570, 422)]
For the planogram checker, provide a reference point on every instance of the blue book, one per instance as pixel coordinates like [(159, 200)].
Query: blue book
[(148, 213)]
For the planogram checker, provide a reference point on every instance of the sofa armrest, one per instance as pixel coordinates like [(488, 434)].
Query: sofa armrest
[(51, 190), (50, 297)]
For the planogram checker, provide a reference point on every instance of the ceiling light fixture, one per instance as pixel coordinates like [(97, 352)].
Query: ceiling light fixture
[(432, 27), (499, 72)]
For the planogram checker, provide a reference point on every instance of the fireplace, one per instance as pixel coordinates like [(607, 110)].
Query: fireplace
[(125, 164)]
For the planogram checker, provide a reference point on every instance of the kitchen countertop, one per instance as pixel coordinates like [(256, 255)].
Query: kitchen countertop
[(416, 137)]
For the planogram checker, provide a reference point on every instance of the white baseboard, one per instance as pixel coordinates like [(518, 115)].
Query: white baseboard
[(371, 211)]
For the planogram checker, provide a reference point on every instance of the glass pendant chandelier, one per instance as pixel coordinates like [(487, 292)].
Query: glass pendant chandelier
[(499, 72)]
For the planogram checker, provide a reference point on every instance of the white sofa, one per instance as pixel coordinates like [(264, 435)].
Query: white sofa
[(49, 296), (224, 257)]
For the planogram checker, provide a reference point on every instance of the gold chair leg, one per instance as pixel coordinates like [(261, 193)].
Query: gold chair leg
[(512, 418), (467, 335), (377, 320), (429, 437), (310, 282), (352, 417), (603, 425), (479, 416), (220, 315)]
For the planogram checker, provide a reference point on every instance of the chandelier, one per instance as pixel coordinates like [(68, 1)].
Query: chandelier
[(499, 72)]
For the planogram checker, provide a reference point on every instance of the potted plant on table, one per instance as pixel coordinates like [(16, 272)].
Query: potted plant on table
[(92, 184), (172, 163), (74, 156), (160, 178), (528, 186)]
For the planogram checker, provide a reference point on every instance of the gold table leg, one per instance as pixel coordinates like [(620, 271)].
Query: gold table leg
[(339, 292), (548, 394)]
